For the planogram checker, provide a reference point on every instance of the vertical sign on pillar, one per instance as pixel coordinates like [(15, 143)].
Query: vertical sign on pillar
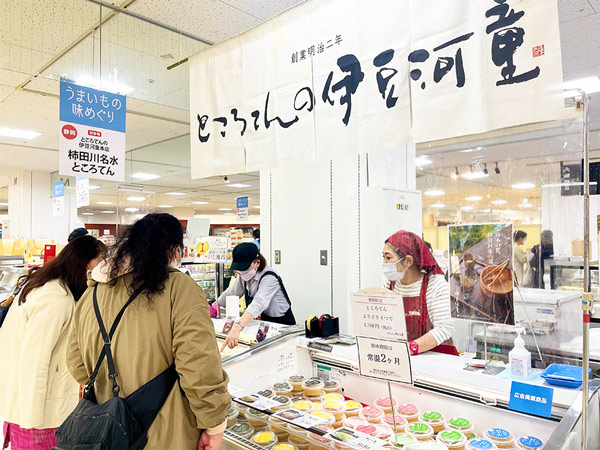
[(58, 198), (82, 190), (92, 133), (242, 209)]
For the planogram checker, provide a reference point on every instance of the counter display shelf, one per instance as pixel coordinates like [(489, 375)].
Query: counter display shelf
[(9, 275), (440, 384)]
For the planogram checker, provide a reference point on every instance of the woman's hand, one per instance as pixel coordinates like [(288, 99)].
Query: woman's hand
[(232, 337), (210, 442)]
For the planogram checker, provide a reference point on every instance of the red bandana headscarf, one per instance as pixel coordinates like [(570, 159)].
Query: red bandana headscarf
[(410, 244)]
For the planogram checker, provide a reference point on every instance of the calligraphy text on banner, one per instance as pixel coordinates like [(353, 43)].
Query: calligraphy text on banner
[(314, 83)]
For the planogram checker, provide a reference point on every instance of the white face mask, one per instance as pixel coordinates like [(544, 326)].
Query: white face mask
[(390, 271)]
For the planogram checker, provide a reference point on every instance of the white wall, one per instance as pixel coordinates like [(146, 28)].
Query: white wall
[(323, 192)]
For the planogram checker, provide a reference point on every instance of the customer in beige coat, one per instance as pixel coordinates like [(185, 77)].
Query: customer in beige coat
[(519, 255), (37, 392), (168, 323)]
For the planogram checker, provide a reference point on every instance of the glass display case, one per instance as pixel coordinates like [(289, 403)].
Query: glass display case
[(208, 276), (567, 275), (9, 275)]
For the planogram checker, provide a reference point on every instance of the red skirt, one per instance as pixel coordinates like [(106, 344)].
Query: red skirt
[(34, 439)]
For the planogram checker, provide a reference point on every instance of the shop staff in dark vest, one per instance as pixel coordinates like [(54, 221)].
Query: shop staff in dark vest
[(264, 291)]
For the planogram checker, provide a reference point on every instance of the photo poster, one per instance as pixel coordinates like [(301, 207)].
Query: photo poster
[(481, 272)]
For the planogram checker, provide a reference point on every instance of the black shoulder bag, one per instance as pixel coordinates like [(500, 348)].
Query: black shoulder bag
[(119, 423)]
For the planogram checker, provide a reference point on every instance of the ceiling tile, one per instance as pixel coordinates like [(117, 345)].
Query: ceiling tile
[(573, 9), (263, 9)]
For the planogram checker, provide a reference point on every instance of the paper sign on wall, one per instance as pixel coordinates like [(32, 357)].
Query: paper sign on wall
[(58, 198), (82, 191), (92, 133), (242, 209), (378, 315), (384, 359), (212, 249)]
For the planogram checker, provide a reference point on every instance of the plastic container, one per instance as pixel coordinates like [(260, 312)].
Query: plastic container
[(384, 432), (401, 422), (332, 386), (352, 408), (452, 439), (500, 437), (563, 375), (257, 419), (267, 393), (328, 418), (461, 424), (296, 382), (435, 419), (317, 442), (232, 417), (297, 436), (401, 440), (420, 430), (317, 399), (409, 411), (265, 439), (335, 407), (282, 389), (431, 445), (303, 405), (333, 396), (529, 443), (284, 401), (480, 444), (519, 358), (372, 413), (367, 429), (244, 430), (313, 387), (354, 422), (285, 447), (317, 407), (299, 399), (279, 427), (387, 404)]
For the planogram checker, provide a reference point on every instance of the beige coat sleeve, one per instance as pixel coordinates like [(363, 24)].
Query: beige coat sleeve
[(197, 357), (519, 255), (74, 357)]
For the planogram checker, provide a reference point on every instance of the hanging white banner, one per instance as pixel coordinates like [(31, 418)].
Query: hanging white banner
[(333, 78)]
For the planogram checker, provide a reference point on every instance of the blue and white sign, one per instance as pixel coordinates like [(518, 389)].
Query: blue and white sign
[(92, 136), (531, 399), (58, 198), (242, 209)]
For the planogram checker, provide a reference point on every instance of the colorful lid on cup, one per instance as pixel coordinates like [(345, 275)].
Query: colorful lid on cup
[(451, 437), (333, 404), (480, 444), (313, 382), (281, 399), (351, 404), (372, 411), (232, 412), (385, 401), (264, 437), (383, 431), (459, 422), (248, 399), (419, 428), (498, 433), (407, 409), (354, 422), (334, 396), (403, 439), (284, 447), (400, 420), (266, 393), (302, 405), (432, 416), (323, 415), (282, 386), (330, 384), (296, 378), (241, 428), (367, 429), (530, 442)]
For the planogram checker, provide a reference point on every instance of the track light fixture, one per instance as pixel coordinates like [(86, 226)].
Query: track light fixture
[(485, 171), (497, 169)]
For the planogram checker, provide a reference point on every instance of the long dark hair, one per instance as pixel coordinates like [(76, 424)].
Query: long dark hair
[(70, 267), (145, 251)]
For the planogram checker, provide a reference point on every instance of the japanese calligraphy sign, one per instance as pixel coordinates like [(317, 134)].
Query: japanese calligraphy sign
[(242, 208), (378, 315), (384, 359), (311, 83), (211, 249), (481, 279), (82, 191), (531, 399), (92, 133), (58, 198), (314, 82)]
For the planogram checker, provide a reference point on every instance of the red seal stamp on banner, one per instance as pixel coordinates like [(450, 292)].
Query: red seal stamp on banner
[(539, 51)]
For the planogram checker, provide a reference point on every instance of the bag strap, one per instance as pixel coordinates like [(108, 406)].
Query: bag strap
[(107, 338), (285, 294)]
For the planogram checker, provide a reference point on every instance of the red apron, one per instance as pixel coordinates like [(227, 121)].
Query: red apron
[(417, 318)]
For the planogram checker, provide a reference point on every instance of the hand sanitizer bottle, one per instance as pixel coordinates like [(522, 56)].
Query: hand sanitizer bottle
[(520, 358)]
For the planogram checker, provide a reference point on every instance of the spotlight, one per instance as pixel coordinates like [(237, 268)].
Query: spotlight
[(456, 174), (485, 171), (497, 169), (226, 179)]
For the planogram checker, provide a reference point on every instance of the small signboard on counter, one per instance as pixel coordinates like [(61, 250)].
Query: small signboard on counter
[(378, 313), (531, 399), (384, 359), (211, 249)]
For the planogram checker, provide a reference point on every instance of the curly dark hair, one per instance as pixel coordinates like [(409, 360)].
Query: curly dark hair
[(145, 250)]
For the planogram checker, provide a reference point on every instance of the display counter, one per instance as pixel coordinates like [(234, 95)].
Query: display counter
[(441, 384)]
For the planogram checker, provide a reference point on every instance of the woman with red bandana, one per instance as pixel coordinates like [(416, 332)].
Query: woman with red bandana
[(413, 274)]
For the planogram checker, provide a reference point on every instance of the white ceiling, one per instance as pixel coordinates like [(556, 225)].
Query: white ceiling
[(62, 38)]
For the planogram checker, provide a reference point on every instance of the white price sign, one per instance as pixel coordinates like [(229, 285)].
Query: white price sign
[(378, 315), (299, 418), (384, 359), (82, 190), (258, 402)]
